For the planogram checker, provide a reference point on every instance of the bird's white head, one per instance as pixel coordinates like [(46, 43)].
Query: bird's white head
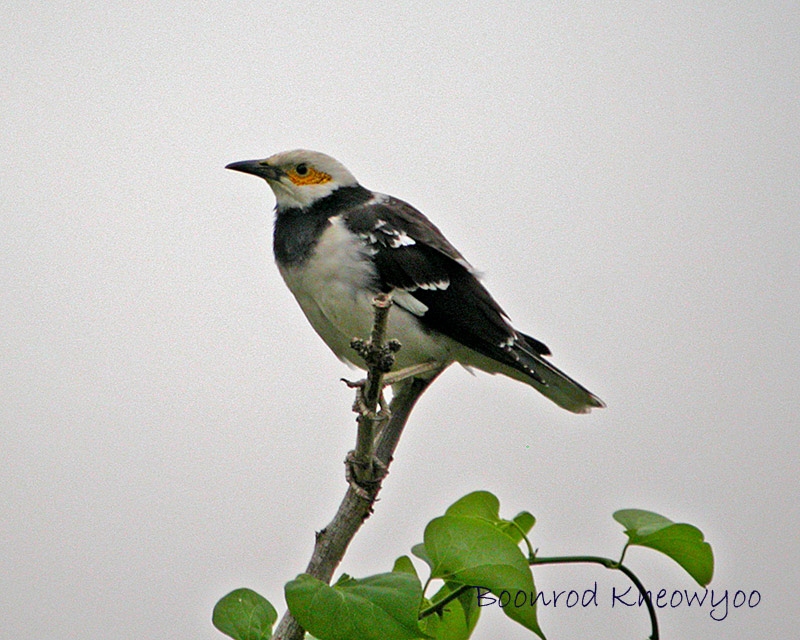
[(299, 178)]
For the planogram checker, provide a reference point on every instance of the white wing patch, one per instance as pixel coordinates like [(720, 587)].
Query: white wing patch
[(440, 285), (382, 233), (408, 302), (399, 239)]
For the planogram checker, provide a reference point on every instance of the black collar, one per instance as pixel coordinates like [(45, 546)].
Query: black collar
[(297, 230)]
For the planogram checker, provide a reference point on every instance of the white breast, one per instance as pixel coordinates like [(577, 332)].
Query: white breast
[(333, 288)]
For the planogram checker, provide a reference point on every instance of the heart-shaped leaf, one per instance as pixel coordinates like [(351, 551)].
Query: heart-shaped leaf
[(380, 607), (684, 543), (473, 551), (244, 615), (478, 504)]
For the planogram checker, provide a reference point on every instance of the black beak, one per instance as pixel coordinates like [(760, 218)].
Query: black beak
[(258, 168)]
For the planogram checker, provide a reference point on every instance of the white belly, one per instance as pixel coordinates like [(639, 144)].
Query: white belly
[(332, 288)]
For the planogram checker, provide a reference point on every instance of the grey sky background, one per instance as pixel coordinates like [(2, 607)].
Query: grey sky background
[(627, 177)]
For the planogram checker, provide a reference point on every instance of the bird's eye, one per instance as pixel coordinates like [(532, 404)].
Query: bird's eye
[(301, 169)]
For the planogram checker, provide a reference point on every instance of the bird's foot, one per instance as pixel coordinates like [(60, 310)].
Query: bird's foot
[(393, 377), (364, 477), (360, 405)]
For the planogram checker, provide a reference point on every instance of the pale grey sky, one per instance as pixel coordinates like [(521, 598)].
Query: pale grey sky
[(626, 176)]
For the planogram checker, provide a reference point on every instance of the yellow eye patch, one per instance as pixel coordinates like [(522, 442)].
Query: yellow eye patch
[(303, 174)]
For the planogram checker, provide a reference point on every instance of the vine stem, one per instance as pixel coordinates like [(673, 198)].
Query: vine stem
[(606, 562), (439, 605)]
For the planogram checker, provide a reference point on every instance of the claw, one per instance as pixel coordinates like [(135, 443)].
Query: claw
[(375, 470)]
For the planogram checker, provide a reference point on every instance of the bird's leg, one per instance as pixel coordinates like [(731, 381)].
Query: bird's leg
[(393, 377), (414, 371), (360, 405)]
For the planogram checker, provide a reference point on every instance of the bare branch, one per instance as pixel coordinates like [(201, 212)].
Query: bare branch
[(356, 506)]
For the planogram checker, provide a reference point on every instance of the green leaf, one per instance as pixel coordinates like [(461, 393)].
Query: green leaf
[(404, 565), (419, 551), (380, 607), (244, 615), (485, 505), (472, 551), (524, 522), (478, 504), (638, 522), (684, 543), (458, 617)]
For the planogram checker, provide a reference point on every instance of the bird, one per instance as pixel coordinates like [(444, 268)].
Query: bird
[(337, 245)]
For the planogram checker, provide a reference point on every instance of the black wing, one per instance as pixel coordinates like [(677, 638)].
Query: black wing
[(411, 254), (441, 289)]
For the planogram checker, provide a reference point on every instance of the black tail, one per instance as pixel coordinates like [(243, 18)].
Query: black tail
[(549, 380)]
